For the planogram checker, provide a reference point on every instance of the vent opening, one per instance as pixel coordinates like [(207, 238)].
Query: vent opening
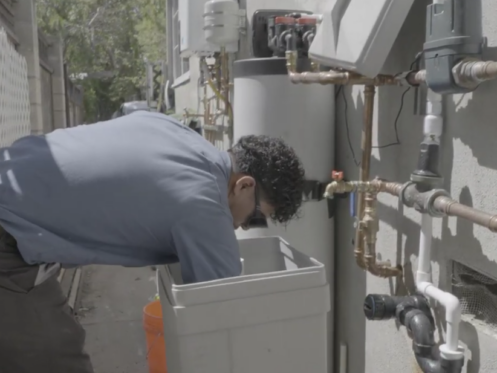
[(477, 294)]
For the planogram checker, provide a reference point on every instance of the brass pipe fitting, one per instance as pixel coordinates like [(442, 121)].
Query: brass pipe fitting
[(291, 61), (374, 186), (371, 228), (368, 226), (370, 222)]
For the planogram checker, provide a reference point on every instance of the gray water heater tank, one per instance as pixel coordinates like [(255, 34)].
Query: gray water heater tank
[(267, 103)]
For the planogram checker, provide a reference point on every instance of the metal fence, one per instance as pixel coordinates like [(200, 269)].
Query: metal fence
[(14, 93)]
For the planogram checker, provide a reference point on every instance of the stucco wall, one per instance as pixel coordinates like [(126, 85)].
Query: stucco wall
[(469, 168), (470, 171)]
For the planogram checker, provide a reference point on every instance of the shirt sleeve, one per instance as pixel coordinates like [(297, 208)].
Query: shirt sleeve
[(206, 245)]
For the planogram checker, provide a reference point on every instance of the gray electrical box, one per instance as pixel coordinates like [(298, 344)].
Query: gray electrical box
[(448, 41)]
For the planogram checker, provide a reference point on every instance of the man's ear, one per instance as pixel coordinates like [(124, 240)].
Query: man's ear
[(244, 184)]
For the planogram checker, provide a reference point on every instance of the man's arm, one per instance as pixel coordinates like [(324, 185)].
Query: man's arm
[(206, 246)]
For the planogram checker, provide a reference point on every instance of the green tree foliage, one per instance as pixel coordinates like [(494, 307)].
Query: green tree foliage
[(151, 29), (105, 44)]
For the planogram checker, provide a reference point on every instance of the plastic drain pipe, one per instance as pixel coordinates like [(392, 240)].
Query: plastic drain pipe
[(450, 349), (433, 126)]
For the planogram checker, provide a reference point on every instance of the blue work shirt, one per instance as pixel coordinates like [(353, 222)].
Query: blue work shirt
[(138, 190)]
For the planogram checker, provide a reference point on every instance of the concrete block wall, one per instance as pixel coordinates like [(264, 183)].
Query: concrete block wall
[(26, 29)]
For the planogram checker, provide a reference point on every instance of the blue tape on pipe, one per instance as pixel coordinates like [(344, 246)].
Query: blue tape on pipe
[(352, 201)]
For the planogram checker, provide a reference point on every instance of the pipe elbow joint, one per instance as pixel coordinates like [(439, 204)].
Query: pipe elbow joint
[(453, 308), (449, 301)]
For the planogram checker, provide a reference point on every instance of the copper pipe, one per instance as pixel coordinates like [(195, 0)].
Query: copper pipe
[(367, 226), (367, 131), (413, 78), (341, 78), (367, 229), (453, 208), (366, 146), (332, 76)]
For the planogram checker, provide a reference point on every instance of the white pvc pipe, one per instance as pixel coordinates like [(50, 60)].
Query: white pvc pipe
[(423, 274), (450, 350), (433, 127), (433, 120), (452, 312)]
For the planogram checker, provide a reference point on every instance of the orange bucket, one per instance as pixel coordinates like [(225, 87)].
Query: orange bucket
[(154, 332)]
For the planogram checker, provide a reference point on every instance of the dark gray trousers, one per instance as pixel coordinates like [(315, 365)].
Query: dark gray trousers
[(38, 332)]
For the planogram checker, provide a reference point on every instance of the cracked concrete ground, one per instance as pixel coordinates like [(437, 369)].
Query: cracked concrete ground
[(109, 307)]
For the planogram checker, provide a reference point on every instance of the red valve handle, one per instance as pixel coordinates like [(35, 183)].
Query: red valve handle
[(337, 175)]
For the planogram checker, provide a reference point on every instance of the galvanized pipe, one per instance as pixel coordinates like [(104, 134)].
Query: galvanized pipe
[(451, 207)]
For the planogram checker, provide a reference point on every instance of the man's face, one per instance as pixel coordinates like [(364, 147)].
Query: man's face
[(247, 208)]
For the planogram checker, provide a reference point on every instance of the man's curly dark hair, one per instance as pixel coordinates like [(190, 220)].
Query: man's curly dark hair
[(277, 171)]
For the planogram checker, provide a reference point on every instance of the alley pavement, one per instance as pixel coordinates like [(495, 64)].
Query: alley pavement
[(109, 306)]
